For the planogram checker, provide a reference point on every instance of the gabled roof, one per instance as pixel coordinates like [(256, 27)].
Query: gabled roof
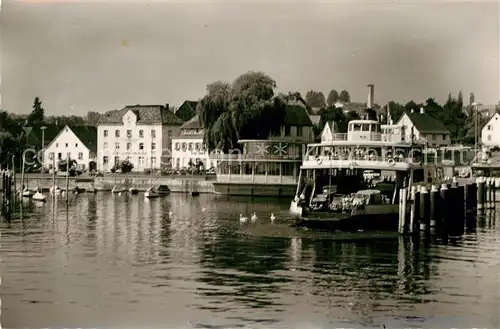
[(331, 125), (315, 119), (187, 110), (193, 123), (495, 116), (146, 114), (296, 115), (425, 123), (87, 135), (33, 134)]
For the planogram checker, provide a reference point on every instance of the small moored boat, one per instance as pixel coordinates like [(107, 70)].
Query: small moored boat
[(38, 196), (27, 193), (133, 190), (151, 193), (117, 189)]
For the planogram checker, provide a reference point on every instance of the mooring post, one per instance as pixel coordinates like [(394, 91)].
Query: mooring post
[(8, 210), (480, 194), (471, 206), (493, 192), (459, 221), (416, 218), (424, 208), (403, 222), (435, 206)]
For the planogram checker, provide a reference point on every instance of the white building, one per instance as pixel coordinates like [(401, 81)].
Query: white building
[(141, 134), (79, 142), (421, 126), (490, 135), (189, 146)]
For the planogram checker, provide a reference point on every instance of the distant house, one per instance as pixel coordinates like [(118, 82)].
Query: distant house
[(77, 142), (187, 110), (421, 126), (189, 146), (490, 134), (141, 134)]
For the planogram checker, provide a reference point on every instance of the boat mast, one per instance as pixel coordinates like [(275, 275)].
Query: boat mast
[(330, 177)]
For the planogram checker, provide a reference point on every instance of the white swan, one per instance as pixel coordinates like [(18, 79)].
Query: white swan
[(243, 219), (272, 217), (254, 217)]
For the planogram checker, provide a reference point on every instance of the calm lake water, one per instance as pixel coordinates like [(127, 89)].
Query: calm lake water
[(124, 262)]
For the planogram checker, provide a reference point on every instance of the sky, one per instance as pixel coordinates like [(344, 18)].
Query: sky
[(97, 56)]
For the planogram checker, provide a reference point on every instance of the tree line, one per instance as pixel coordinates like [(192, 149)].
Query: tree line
[(11, 128)]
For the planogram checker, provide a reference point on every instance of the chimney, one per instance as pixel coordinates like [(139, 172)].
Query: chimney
[(371, 96), (422, 111), (167, 107)]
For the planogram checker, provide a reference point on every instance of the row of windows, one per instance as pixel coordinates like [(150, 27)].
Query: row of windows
[(258, 168), (288, 130), (434, 137), (129, 133), (59, 156), (66, 145), (189, 146), (141, 160), (129, 146)]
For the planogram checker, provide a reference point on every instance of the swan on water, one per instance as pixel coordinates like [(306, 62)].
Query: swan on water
[(243, 219)]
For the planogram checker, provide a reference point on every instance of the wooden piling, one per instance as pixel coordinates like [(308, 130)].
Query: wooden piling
[(493, 192), (480, 194), (67, 177), (458, 224), (435, 205), (446, 200), (416, 211), (403, 222), (424, 208)]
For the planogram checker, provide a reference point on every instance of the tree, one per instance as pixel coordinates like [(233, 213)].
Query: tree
[(124, 166), (37, 115), (460, 99), (247, 109), (333, 98), (92, 118), (344, 96), (315, 99), (9, 145), (332, 114), (395, 109)]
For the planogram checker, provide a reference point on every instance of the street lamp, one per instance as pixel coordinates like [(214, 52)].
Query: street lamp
[(475, 108), (43, 150)]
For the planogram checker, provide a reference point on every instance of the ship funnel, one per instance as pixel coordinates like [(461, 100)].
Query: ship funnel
[(371, 95)]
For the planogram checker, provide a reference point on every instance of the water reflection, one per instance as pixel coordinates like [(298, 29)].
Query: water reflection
[(121, 260)]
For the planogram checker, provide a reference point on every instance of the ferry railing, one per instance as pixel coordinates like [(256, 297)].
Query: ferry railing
[(372, 137), (353, 157), (243, 157)]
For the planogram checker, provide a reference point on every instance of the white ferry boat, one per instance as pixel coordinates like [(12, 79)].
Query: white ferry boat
[(369, 157)]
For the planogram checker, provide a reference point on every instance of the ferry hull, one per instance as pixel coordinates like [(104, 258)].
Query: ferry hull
[(352, 223), (267, 190)]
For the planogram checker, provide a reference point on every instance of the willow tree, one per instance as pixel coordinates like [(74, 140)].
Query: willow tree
[(246, 109)]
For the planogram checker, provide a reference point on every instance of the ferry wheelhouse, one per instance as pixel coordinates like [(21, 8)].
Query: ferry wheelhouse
[(368, 156)]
